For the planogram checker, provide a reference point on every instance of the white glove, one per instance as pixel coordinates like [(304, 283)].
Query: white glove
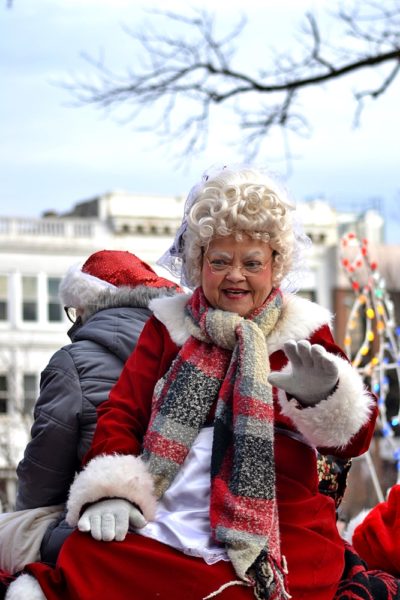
[(314, 373), (109, 520)]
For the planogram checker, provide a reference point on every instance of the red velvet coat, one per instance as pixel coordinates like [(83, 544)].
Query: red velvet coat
[(309, 537)]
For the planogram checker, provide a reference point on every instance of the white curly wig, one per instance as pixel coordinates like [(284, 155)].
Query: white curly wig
[(235, 201)]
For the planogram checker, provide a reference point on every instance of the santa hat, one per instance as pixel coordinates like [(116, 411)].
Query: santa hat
[(107, 269)]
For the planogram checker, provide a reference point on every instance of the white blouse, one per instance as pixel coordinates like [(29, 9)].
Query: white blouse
[(182, 517)]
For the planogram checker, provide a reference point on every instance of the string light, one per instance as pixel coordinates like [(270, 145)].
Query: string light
[(378, 354)]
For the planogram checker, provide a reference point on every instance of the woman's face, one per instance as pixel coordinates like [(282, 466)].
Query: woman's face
[(237, 274)]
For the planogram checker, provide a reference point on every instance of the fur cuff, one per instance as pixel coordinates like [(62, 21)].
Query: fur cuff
[(112, 476), (333, 421), (25, 587)]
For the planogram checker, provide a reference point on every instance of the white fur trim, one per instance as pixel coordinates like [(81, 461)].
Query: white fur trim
[(333, 421), (112, 476), (171, 312), (299, 319), (78, 289), (25, 587)]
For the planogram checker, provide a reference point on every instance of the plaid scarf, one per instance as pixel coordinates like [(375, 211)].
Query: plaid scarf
[(226, 360)]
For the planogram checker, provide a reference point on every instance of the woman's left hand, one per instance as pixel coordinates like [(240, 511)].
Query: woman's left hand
[(314, 373), (110, 519)]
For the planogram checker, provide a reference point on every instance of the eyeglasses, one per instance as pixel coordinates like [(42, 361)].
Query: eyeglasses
[(71, 313), (251, 267)]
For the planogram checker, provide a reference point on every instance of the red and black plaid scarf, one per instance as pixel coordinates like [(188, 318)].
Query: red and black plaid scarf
[(226, 360)]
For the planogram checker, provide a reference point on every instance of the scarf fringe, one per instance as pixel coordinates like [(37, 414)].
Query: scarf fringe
[(269, 582), (224, 587), (270, 579)]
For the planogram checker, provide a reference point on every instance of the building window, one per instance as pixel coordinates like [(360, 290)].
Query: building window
[(30, 392), (29, 299), (3, 394), (3, 298), (54, 308)]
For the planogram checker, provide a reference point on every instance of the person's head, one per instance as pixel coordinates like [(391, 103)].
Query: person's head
[(106, 279), (236, 217)]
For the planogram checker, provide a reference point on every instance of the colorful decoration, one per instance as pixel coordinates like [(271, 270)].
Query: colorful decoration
[(372, 338)]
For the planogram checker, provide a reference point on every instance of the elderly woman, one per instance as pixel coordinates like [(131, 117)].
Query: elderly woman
[(202, 474)]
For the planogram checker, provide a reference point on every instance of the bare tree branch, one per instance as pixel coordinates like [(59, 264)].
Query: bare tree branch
[(182, 76)]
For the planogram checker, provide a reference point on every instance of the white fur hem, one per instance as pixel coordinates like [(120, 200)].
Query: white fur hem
[(25, 587), (112, 476), (333, 421)]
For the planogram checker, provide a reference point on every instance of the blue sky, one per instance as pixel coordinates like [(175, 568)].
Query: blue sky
[(54, 154)]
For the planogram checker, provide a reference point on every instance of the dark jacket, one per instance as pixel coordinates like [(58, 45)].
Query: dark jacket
[(77, 379)]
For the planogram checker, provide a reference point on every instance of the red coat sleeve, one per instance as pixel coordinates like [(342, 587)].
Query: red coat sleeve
[(123, 418)]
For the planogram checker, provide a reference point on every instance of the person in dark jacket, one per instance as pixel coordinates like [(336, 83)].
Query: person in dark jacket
[(109, 299)]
